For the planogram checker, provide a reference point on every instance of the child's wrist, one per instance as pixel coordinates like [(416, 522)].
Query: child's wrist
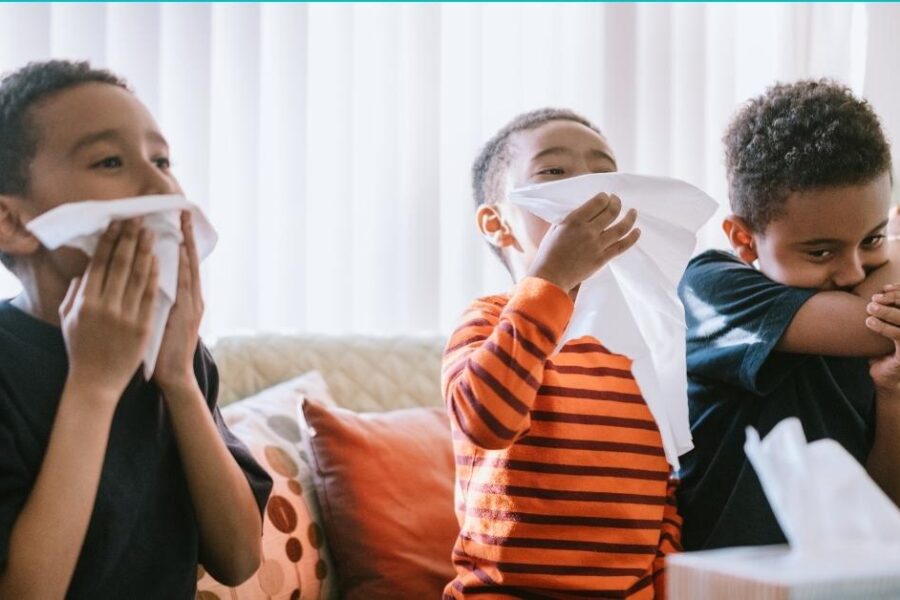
[(180, 390), (91, 393), (550, 277)]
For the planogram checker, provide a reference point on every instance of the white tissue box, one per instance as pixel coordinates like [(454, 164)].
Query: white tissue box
[(774, 573)]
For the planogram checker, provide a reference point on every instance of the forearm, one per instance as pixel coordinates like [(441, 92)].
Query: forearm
[(494, 364), (48, 535), (885, 274), (833, 324), (227, 514), (883, 460)]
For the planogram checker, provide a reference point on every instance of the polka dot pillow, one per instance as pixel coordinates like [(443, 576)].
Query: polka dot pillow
[(295, 564)]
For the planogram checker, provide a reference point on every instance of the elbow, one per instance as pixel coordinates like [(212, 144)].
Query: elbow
[(237, 568), (487, 441), (487, 438)]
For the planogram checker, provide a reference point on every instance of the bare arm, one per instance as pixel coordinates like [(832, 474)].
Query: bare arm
[(882, 462), (46, 539), (105, 321), (227, 515), (833, 323)]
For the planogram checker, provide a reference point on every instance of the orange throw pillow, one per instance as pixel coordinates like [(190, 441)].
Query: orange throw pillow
[(385, 486)]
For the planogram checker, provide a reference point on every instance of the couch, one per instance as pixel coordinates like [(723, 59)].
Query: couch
[(364, 373), (378, 377)]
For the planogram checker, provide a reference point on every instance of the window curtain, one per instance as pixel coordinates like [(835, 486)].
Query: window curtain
[(331, 144)]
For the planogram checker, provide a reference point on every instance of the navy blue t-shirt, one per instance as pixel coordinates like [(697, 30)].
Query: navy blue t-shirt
[(142, 540), (736, 378)]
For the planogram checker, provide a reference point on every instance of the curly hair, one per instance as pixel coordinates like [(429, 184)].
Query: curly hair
[(21, 90), (489, 169), (796, 137)]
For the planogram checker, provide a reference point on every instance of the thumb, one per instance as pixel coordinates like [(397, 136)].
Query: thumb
[(66, 307)]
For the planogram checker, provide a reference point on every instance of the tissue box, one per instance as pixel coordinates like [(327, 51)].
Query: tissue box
[(775, 573)]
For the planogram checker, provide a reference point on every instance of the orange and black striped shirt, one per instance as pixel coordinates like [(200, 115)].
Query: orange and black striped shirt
[(562, 485)]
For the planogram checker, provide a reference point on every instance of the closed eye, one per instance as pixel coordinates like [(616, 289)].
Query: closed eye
[(552, 171), (110, 162)]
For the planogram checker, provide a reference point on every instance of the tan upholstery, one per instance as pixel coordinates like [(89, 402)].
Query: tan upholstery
[(364, 373)]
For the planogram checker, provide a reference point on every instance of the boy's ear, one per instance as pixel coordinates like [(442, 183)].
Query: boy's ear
[(15, 239), (741, 237), (494, 227)]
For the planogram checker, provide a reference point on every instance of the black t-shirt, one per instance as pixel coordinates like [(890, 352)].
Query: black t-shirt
[(735, 317), (142, 540)]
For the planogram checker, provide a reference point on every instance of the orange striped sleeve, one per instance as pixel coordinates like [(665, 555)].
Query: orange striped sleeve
[(494, 362), (669, 540)]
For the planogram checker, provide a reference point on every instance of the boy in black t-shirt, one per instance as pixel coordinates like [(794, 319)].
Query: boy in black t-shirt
[(801, 321), (111, 486)]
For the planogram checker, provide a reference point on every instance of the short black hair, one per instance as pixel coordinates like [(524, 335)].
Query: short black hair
[(21, 90), (796, 137), (490, 167)]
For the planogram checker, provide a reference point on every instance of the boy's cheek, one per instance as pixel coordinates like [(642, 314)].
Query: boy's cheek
[(793, 272), (70, 261)]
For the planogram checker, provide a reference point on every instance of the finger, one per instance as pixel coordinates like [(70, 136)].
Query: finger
[(148, 298), (96, 271), (620, 229), (184, 277), (121, 262), (187, 226), (612, 210), (891, 332), (887, 313), (621, 246), (140, 272), (890, 295), (69, 300), (609, 215), (589, 209)]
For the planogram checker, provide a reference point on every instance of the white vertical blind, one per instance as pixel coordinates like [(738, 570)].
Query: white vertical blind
[(331, 143)]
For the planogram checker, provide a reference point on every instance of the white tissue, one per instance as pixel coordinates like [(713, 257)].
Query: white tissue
[(80, 225), (823, 498), (632, 304)]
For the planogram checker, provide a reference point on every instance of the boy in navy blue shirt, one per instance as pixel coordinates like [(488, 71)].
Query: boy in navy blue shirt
[(798, 322), (111, 486)]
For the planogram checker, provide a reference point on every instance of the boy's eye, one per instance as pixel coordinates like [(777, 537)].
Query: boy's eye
[(820, 254), (110, 162), (163, 163), (552, 171), (874, 241)]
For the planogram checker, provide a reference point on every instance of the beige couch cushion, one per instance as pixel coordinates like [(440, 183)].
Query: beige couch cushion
[(364, 373)]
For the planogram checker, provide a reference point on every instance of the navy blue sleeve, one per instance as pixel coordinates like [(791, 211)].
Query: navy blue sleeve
[(735, 317), (15, 485), (208, 377)]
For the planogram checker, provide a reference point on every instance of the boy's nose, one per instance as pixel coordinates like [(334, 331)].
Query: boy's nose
[(155, 181), (850, 274)]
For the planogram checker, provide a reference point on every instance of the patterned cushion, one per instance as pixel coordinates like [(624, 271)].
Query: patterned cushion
[(296, 564)]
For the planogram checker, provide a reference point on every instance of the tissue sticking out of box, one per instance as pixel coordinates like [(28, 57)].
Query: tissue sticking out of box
[(822, 497)]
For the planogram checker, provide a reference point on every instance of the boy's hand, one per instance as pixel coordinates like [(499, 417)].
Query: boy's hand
[(105, 316), (175, 364), (885, 320), (584, 242)]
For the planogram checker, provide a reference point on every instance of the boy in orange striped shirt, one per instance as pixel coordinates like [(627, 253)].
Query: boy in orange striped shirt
[(562, 485)]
